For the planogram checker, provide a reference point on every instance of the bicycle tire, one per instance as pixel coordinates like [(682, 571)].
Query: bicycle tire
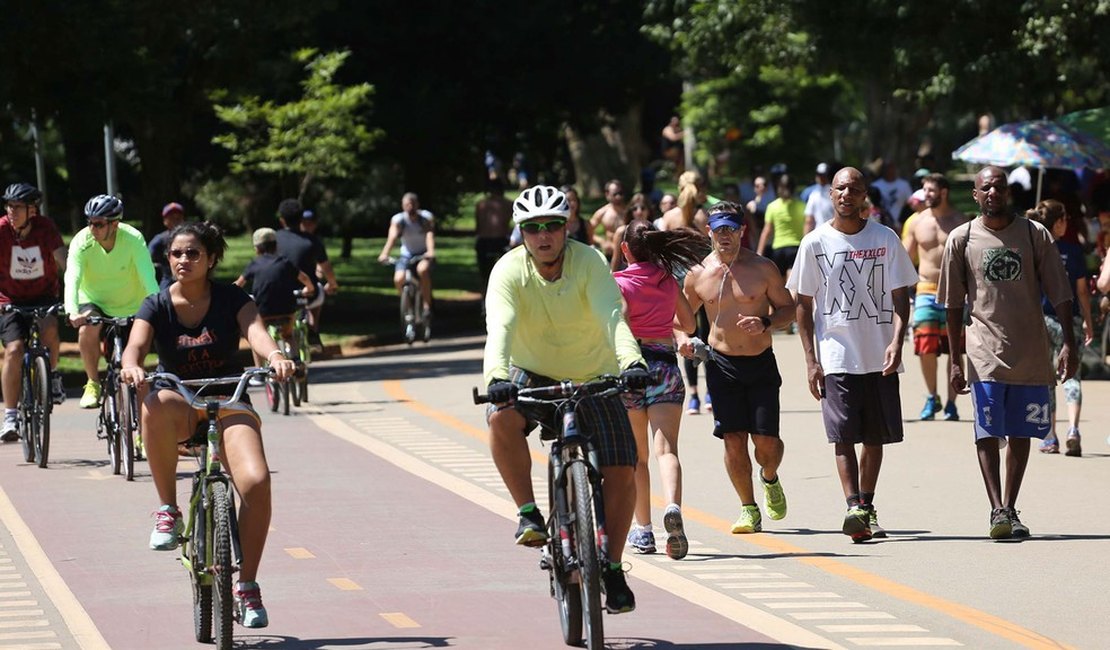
[(125, 402), (566, 594), (26, 407), (285, 397), (585, 538), (108, 411), (408, 312), (221, 567), (40, 416), (202, 609), (304, 353), (272, 396)]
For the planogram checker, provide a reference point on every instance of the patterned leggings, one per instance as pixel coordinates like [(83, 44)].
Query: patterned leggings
[(1073, 391)]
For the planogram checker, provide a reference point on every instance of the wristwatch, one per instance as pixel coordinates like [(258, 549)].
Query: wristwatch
[(766, 320)]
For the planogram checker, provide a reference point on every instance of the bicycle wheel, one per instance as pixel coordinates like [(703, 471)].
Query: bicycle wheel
[(285, 398), (40, 415), (272, 394), (585, 538), (111, 425), (125, 403), (408, 312), (565, 593), (202, 609), (221, 568), (304, 352), (194, 551), (26, 407)]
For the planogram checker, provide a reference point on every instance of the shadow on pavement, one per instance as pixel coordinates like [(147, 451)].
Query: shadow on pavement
[(369, 643), (722, 557), (410, 369), (899, 537), (660, 644)]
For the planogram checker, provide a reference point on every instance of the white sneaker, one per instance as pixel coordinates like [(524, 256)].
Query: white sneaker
[(9, 432)]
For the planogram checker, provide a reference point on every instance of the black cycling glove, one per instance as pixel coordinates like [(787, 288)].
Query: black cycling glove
[(636, 377), (501, 391)]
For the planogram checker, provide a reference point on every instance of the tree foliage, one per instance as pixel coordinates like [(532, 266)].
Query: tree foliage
[(880, 77), (321, 135)]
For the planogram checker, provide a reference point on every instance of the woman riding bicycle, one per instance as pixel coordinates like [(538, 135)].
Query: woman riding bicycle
[(195, 325)]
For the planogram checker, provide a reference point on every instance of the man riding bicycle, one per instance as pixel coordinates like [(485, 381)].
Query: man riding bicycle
[(553, 312), (31, 256), (307, 252), (416, 230), (273, 280), (108, 273)]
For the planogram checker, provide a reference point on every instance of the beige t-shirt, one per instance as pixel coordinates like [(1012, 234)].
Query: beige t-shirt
[(1001, 275)]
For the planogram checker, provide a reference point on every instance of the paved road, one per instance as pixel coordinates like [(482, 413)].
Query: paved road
[(391, 530)]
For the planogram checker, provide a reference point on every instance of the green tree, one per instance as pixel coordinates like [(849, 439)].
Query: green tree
[(319, 136)]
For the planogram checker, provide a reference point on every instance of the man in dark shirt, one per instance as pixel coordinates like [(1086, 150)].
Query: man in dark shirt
[(273, 280), (172, 216), (307, 252)]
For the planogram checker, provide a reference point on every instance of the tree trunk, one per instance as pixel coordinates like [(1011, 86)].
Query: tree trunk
[(614, 151)]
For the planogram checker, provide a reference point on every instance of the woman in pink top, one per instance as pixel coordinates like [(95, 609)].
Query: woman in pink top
[(654, 306)]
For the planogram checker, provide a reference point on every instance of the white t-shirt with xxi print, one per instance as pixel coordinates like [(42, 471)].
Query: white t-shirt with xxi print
[(851, 279)]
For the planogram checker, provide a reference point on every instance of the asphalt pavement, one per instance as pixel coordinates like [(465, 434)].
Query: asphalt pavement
[(392, 530)]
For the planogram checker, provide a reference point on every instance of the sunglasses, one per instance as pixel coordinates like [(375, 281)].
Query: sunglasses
[(97, 225), (533, 227), (191, 254), (725, 230)]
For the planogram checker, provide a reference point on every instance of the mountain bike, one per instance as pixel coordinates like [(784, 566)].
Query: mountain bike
[(576, 550), (414, 319), (36, 402), (210, 548), (302, 347), (279, 395), (118, 421)]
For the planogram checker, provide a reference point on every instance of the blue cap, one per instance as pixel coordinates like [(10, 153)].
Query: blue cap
[(718, 219)]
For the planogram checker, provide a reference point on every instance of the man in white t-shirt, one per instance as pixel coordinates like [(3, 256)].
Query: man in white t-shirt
[(895, 191), (819, 207), (852, 279), (416, 230)]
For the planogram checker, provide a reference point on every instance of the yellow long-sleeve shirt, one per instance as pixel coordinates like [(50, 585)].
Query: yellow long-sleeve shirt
[(571, 328)]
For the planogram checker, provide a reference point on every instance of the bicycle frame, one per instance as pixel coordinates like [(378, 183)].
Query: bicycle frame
[(29, 408), (110, 410), (210, 469)]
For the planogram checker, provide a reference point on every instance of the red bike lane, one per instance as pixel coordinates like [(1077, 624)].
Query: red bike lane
[(362, 555)]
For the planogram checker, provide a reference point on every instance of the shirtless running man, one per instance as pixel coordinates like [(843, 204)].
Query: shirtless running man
[(611, 215), (745, 299), (925, 240)]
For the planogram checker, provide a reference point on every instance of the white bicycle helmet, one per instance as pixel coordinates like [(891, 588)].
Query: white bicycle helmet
[(540, 201)]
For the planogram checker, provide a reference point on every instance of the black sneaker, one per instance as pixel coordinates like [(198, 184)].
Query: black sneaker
[(1017, 529), (532, 530), (1002, 527), (619, 599)]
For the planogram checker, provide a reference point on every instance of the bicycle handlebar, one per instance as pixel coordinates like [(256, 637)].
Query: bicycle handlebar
[(108, 320), (182, 385), (38, 311), (412, 261), (604, 386)]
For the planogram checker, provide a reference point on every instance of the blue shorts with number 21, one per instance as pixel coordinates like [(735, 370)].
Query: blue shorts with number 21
[(1010, 410)]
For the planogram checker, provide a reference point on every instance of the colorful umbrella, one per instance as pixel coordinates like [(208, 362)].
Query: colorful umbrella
[(1037, 143)]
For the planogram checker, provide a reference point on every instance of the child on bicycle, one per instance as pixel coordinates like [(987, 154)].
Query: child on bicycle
[(273, 280), (195, 325)]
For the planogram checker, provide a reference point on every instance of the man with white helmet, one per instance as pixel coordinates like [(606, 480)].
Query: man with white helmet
[(553, 312)]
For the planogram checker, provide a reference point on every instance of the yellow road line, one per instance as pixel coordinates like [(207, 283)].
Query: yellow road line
[(736, 611), (73, 614), (993, 624), (345, 584), (399, 619), (300, 553)]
